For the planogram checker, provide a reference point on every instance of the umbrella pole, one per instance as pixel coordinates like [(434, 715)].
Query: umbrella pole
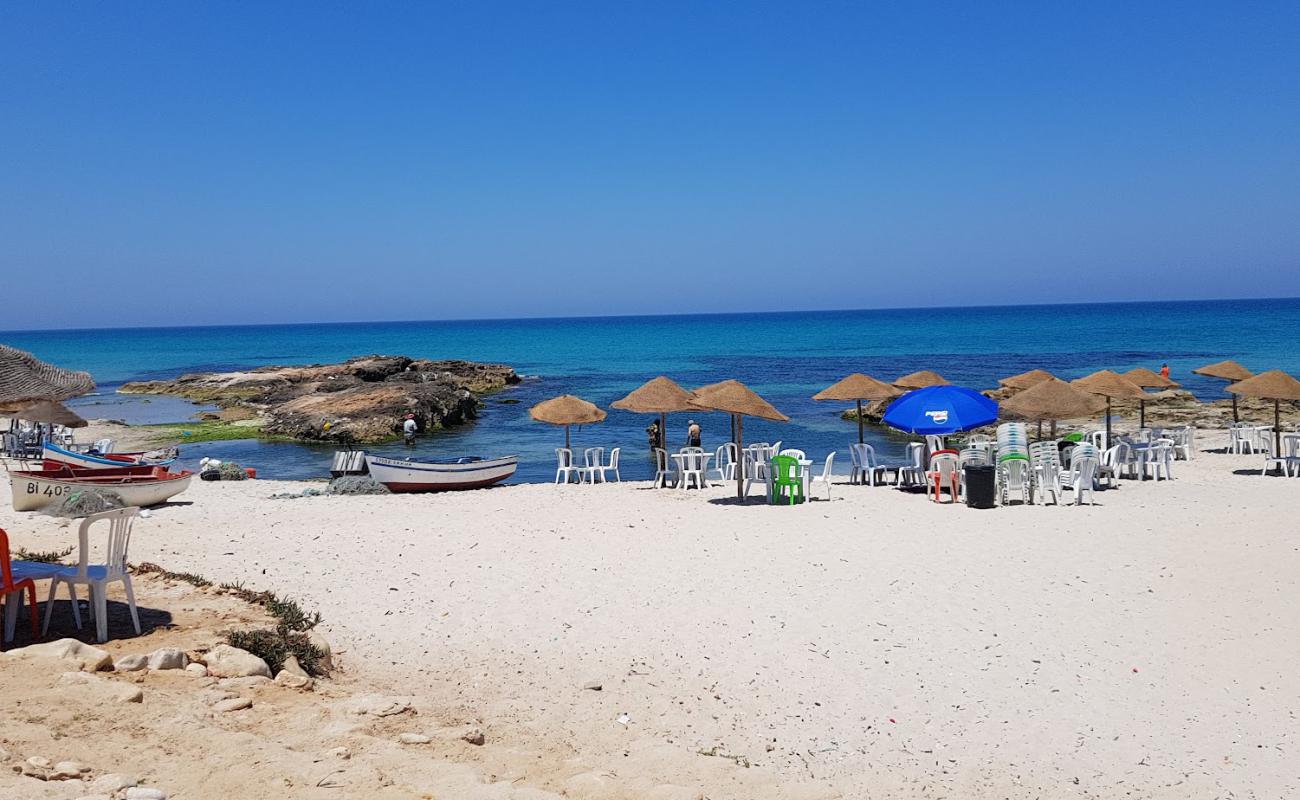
[(1235, 418), (860, 435), (566, 437), (1142, 414), (1040, 430), (1277, 428), (1108, 420), (663, 432), (740, 452)]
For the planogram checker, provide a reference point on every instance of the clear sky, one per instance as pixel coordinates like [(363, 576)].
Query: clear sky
[(195, 163)]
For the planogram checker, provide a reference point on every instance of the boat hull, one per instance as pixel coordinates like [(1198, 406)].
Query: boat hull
[(400, 475), (137, 486), (59, 455)]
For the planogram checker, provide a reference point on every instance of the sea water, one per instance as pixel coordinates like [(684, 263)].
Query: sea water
[(785, 357)]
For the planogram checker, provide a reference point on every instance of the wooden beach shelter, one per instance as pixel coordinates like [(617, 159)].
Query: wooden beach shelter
[(49, 412), (858, 387), (1109, 384), (920, 379), (1147, 379), (1273, 385), (738, 400), (657, 396), (1051, 400), (1027, 380), (1229, 371), (25, 379), (566, 410)]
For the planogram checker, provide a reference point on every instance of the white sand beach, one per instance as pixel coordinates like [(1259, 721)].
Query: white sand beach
[(877, 645)]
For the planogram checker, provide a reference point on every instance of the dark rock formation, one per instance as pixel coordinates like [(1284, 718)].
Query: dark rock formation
[(363, 399)]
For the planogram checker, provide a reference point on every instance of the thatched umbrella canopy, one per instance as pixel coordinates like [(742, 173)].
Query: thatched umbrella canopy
[(1226, 371), (738, 400), (1273, 385), (25, 379), (1110, 384), (656, 396), (1147, 379), (1052, 401), (920, 379), (1026, 380), (858, 387), (49, 413), (566, 410)]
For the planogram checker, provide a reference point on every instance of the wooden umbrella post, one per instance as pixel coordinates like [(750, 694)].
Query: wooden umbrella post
[(566, 437), (738, 424), (1108, 420), (1277, 428), (1142, 414), (663, 431), (1235, 418), (860, 434)]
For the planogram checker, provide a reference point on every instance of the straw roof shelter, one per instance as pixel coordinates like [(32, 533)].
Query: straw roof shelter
[(1147, 379), (1109, 384), (1051, 400), (50, 413), (25, 379), (920, 379), (566, 410), (738, 400), (660, 396), (1026, 380), (858, 387), (1273, 385), (1226, 371)]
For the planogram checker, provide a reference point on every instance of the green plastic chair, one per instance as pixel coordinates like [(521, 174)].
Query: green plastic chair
[(1072, 437), (786, 475)]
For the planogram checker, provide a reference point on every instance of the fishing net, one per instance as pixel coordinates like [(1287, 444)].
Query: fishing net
[(85, 503), (357, 484)]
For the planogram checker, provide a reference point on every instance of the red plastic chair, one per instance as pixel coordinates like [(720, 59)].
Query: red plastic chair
[(944, 465), (8, 585)]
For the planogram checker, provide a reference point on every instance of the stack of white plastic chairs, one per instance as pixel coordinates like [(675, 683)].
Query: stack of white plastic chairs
[(1081, 475), (1014, 472), (1046, 461)]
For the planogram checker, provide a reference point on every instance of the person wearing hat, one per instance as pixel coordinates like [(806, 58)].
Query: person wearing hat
[(692, 434), (409, 428)]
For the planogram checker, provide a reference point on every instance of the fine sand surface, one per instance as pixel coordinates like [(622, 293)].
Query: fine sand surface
[(877, 645)]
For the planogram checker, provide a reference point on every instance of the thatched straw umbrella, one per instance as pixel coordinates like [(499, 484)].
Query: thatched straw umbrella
[(49, 413), (1026, 380), (858, 387), (738, 400), (566, 410), (1110, 385), (1051, 400), (1147, 379), (25, 379), (1273, 385), (656, 396), (920, 379), (1229, 371)]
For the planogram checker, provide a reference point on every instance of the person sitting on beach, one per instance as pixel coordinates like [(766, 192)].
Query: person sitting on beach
[(692, 434), (409, 428)]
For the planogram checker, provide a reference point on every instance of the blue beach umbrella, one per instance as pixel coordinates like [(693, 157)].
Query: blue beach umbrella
[(940, 410)]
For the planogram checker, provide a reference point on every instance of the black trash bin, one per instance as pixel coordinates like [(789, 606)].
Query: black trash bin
[(981, 486)]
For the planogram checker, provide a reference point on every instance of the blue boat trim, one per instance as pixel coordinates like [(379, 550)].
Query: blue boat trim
[(109, 462), (418, 467)]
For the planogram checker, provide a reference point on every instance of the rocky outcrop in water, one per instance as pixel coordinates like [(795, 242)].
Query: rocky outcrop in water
[(362, 399)]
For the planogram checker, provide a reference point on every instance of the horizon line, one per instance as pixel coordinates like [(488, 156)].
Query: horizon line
[(561, 318)]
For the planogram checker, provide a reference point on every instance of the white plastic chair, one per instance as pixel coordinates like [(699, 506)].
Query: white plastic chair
[(824, 478), (799, 454), (855, 459), (1016, 475), (599, 469), (692, 461), (1080, 478), (1046, 461), (943, 473), (724, 462), (665, 469), (102, 446), (1184, 442), (98, 576), (1158, 460), (564, 466)]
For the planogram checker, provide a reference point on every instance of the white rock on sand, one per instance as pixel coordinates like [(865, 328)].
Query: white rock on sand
[(224, 661), (101, 690), (90, 659), (168, 658)]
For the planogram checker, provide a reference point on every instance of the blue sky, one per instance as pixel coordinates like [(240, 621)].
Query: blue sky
[(195, 163)]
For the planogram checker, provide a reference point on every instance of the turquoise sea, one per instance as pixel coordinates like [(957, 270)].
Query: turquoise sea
[(786, 357)]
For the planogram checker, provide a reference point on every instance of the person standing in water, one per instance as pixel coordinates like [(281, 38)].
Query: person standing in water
[(652, 434), (1164, 371), (408, 430), (692, 434)]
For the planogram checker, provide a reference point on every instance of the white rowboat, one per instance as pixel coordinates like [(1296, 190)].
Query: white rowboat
[(137, 486), (405, 475)]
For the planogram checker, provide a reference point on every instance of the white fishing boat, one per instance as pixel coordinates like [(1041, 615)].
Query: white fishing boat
[(91, 460), (137, 486), (409, 475)]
